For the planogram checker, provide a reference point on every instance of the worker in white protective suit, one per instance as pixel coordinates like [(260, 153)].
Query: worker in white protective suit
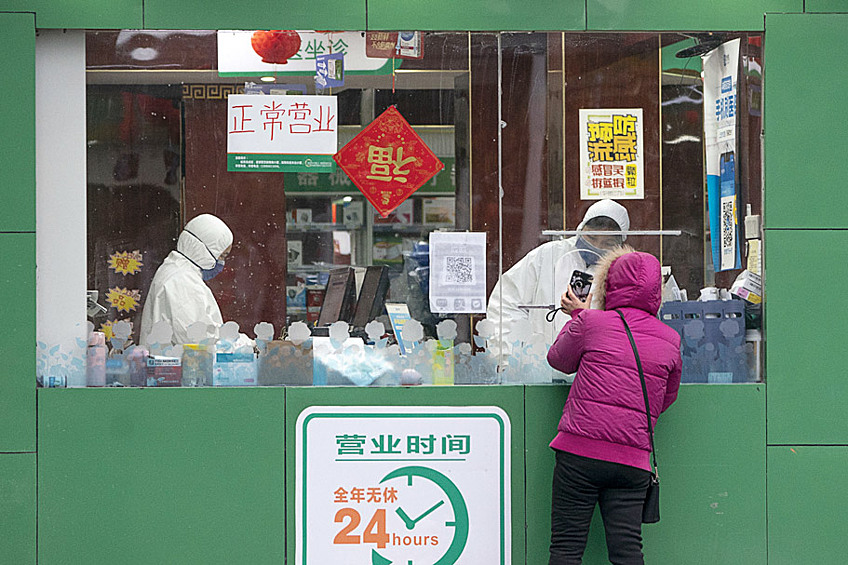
[(178, 294), (541, 276)]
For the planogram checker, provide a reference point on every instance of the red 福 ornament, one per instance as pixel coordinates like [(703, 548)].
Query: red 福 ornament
[(275, 46), (388, 161)]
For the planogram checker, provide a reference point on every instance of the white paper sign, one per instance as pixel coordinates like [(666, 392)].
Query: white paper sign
[(611, 154), (281, 133), (381, 485), (457, 272)]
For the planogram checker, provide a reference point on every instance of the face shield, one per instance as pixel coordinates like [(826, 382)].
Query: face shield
[(603, 242), (595, 245)]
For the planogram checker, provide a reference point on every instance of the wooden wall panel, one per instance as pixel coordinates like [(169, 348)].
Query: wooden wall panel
[(614, 71), (252, 287)]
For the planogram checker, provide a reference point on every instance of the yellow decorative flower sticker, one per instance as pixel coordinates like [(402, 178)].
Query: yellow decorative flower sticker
[(106, 328), (126, 262), (122, 299), (123, 329)]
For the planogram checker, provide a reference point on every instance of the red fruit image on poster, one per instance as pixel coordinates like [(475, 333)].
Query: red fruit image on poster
[(276, 45), (388, 161)]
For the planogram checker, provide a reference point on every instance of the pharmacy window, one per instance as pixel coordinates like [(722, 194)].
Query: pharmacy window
[(398, 208)]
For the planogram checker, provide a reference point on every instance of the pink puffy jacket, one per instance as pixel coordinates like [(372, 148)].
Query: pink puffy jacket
[(604, 415)]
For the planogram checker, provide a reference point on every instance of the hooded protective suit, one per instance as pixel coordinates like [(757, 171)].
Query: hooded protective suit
[(540, 278), (178, 294)]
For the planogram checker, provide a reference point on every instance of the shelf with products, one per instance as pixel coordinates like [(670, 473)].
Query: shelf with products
[(346, 229), (412, 228), (321, 226), (331, 224)]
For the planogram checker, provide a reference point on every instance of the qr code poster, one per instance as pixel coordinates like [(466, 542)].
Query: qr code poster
[(721, 71), (457, 272)]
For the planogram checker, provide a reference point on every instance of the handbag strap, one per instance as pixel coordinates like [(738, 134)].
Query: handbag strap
[(644, 391)]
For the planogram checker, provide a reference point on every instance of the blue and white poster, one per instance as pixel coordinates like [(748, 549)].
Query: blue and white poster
[(329, 70), (720, 88)]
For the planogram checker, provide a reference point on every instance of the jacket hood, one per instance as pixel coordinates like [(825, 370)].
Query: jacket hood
[(629, 278), (203, 240)]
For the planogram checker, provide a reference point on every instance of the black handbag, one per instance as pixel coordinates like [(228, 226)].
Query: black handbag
[(651, 507)]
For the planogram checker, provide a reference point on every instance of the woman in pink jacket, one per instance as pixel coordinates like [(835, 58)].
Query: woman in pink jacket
[(602, 444)]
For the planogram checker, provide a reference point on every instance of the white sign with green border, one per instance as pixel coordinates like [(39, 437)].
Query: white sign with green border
[(236, 56), (423, 485), (281, 133)]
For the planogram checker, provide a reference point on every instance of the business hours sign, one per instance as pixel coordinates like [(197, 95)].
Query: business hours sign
[(383, 485)]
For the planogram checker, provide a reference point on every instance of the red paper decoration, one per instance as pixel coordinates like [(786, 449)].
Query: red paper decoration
[(388, 161)]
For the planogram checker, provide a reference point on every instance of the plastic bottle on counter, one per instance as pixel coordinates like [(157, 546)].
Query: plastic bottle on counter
[(95, 366), (137, 361), (754, 353), (117, 369)]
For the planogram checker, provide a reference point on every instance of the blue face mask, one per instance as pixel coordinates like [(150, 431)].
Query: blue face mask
[(588, 252), (209, 274)]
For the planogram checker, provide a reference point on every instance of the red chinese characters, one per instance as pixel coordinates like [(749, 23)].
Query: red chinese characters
[(388, 161), (299, 117)]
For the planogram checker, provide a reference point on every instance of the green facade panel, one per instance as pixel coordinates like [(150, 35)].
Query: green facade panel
[(17, 342), (474, 15), (804, 119), (508, 398), (711, 455), (720, 15), (80, 14), (17, 508), (826, 6), (17, 114), (161, 476), (805, 346), (254, 14), (808, 493)]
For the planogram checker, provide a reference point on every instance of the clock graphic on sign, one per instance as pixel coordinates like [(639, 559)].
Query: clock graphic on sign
[(434, 493)]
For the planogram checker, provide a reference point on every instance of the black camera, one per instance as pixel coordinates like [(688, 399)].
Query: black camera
[(581, 283)]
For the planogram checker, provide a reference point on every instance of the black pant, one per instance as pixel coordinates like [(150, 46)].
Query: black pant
[(580, 483)]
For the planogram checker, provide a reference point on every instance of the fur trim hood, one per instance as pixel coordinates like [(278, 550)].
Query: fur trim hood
[(625, 278)]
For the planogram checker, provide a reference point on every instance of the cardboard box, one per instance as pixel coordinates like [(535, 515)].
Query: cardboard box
[(235, 369), (439, 211), (295, 253), (164, 371), (284, 363)]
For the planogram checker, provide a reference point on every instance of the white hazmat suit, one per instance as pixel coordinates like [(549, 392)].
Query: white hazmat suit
[(540, 278), (178, 294)]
